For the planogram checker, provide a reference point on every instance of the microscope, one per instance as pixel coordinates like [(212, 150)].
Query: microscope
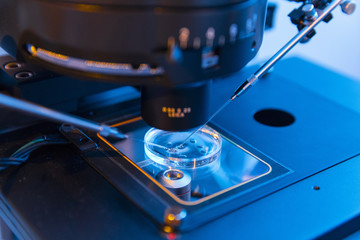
[(171, 50), (177, 55)]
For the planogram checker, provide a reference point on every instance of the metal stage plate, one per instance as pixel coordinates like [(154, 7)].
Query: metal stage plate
[(235, 166)]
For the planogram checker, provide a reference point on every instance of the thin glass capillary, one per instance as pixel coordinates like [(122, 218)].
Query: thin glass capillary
[(271, 62), (148, 143), (198, 129)]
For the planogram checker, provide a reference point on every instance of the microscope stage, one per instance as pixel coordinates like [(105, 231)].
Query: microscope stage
[(273, 136), (234, 167)]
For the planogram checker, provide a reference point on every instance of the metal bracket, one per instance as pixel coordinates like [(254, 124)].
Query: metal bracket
[(78, 138)]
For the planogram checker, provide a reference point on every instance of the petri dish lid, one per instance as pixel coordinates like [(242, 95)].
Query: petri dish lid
[(166, 148)]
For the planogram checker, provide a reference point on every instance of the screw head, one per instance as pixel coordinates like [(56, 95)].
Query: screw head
[(24, 75), (12, 65)]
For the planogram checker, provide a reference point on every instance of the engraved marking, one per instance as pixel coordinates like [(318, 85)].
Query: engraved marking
[(251, 24), (171, 42), (197, 43), (176, 112), (210, 35), (184, 37), (233, 31), (221, 40)]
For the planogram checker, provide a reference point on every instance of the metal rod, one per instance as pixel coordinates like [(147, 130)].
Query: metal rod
[(285, 49), (41, 111)]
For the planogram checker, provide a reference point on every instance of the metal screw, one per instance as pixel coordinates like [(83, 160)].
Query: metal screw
[(348, 7), (24, 75), (12, 65)]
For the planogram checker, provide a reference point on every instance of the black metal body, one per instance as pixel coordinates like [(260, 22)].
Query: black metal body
[(191, 101), (191, 41)]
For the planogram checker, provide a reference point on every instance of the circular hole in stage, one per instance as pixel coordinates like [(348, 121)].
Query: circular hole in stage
[(274, 117)]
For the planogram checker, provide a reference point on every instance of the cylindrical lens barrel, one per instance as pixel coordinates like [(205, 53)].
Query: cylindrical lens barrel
[(176, 109)]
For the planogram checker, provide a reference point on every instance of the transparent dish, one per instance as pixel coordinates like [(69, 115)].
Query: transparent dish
[(168, 148)]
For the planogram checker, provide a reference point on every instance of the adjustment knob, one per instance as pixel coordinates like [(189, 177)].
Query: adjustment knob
[(310, 11), (348, 7)]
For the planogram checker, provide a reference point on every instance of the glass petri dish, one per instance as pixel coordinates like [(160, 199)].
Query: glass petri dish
[(166, 148)]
